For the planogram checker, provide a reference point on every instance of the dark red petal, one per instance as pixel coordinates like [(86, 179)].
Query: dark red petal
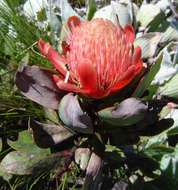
[(43, 47), (52, 55), (137, 61), (139, 67), (99, 94), (73, 21), (65, 85), (87, 76), (130, 35), (137, 55), (88, 81), (125, 79), (65, 47)]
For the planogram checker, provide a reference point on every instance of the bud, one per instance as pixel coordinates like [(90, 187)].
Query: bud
[(82, 156)]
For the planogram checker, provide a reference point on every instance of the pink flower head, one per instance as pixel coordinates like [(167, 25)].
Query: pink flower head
[(98, 58)]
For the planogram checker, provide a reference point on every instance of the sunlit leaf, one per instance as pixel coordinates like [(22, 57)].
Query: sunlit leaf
[(163, 4), (167, 70), (91, 9), (169, 164), (147, 14), (156, 140), (171, 32), (170, 89), (148, 43), (66, 9), (174, 115), (148, 78), (158, 151), (20, 163), (25, 163), (31, 8), (121, 10), (26, 143)]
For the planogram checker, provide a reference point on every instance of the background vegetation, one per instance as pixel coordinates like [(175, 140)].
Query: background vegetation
[(155, 167)]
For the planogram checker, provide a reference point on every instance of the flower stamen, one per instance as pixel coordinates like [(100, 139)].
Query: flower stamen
[(67, 77)]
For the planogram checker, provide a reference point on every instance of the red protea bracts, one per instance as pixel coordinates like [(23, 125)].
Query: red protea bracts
[(97, 60)]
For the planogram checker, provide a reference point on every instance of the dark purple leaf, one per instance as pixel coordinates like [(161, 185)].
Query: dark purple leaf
[(37, 85), (126, 113), (73, 116), (94, 179), (120, 185), (48, 135), (130, 107)]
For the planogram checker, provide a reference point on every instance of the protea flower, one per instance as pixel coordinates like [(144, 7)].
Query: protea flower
[(97, 60)]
